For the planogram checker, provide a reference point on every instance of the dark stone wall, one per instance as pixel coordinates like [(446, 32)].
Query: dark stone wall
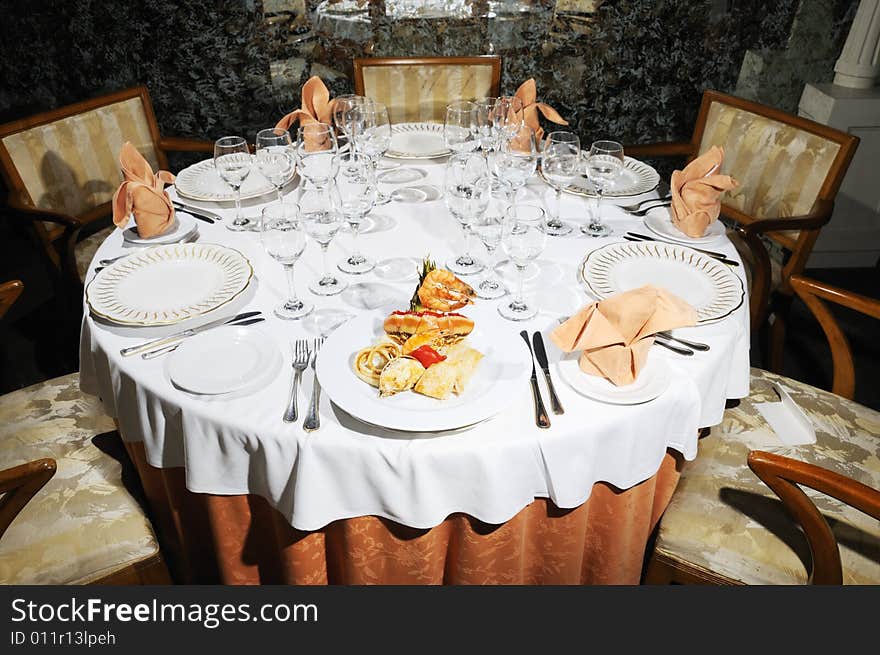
[(632, 70)]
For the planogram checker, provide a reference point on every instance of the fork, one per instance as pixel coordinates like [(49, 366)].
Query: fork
[(638, 205), (300, 362), (313, 420)]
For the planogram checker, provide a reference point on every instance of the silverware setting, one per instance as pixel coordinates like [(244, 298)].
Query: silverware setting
[(696, 345), (541, 418), (313, 419), (300, 361), (153, 344), (541, 354), (666, 339), (151, 354), (658, 202), (660, 341), (720, 256), (198, 212)]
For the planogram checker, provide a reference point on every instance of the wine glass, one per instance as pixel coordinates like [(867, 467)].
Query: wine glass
[(375, 139), (523, 238), (319, 210), (467, 189), (347, 116), (285, 240), (484, 123), (232, 160), (488, 229), (560, 163), (357, 188), (604, 164), (516, 161), (459, 130), (507, 117), (317, 153), (275, 157)]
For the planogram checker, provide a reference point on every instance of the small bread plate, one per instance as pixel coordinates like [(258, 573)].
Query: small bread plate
[(184, 227), (652, 381), (659, 221)]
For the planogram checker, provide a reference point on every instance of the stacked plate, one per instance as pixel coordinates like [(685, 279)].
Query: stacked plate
[(183, 229), (168, 284), (417, 141), (635, 178)]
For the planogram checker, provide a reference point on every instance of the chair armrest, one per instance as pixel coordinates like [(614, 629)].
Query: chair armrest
[(24, 210), (19, 484), (667, 149), (818, 216), (183, 144), (9, 293)]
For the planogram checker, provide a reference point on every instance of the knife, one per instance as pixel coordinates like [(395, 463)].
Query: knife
[(167, 349), (541, 418), (203, 214), (157, 343), (541, 354)]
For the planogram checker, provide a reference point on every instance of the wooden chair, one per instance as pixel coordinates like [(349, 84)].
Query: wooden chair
[(61, 168), (418, 89), (81, 526), (789, 170), (783, 475), (723, 526)]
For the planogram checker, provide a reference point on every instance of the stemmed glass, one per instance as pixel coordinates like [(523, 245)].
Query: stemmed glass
[(284, 239), (484, 124), (232, 160), (560, 162), (516, 161), (317, 153), (319, 210), (357, 188), (348, 117), (467, 189), (488, 228), (375, 139), (275, 157), (604, 164), (507, 117), (459, 129), (523, 238)]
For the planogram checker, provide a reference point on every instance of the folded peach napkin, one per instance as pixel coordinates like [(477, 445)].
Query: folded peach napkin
[(142, 194), (616, 334), (528, 94), (316, 105), (696, 192)]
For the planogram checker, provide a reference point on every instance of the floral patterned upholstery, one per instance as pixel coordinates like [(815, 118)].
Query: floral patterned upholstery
[(83, 525), (724, 519)]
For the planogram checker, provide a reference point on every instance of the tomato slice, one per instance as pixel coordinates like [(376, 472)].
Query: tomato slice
[(427, 356)]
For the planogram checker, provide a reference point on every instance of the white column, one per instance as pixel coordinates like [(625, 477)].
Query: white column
[(859, 63)]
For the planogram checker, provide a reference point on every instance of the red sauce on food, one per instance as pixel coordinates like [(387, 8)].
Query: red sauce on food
[(426, 313)]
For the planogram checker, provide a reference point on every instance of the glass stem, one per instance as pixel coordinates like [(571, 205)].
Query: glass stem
[(520, 297), (558, 216), (355, 233), (324, 248), (280, 197), (466, 231), (238, 218), (291, 286), (597, 219), (490, 273)]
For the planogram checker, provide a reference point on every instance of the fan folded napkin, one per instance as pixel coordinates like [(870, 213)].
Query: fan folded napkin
[(696, 193), (142, 194), (316, 106), (616, 334), (528, 94)]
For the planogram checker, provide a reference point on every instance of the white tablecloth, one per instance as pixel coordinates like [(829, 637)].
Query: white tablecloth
[(347, 468)]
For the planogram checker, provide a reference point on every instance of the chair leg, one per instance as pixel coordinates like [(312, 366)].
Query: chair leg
[(777, 333), (658, 573)]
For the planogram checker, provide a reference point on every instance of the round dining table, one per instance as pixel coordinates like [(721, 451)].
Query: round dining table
[(239, 496)]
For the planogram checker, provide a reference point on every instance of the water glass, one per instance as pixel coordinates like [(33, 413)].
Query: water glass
[(275, 157), (285, 240), (321, 216), (467, 190), (507, 117), (459, 129), (232, 160), (488, 229), (523, 238), (516, 161), (560, 163), (356, 183), (484, 124), (348, 117), (317, 153), (604, 164), (375, 139)]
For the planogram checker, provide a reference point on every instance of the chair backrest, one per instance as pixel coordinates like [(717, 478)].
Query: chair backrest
[(783, 163), (783, 475), (812, 292), (66, 160), (418, 89)]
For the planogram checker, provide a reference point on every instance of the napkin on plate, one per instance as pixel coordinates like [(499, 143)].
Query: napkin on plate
[(528, 94), (616, 334), (142, 194), (316, 106), (696, 192)]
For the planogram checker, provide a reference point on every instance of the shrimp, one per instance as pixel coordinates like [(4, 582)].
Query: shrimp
[(441, 291)]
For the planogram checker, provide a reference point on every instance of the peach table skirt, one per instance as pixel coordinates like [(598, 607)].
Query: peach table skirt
[(243, 540)]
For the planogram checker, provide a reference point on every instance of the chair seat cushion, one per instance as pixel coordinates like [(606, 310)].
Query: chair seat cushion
[(86, 249), (724, 519), (84, 524)]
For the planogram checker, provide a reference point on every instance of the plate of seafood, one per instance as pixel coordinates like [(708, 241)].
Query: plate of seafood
[(438, 364)]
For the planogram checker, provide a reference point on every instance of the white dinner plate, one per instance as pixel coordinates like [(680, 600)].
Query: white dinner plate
[(652, 381), (183, 228), (659, 221), (417, 141), (222, 360), (168, 284), (500, 378), (201, 181), (635, 178), (708, 285)]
